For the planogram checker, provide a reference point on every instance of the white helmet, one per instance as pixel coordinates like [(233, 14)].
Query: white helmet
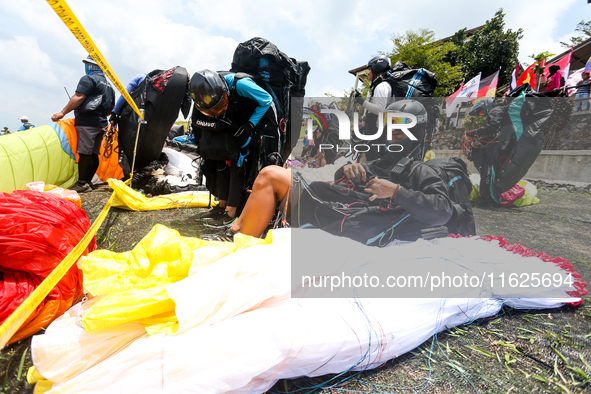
[(24, 118)]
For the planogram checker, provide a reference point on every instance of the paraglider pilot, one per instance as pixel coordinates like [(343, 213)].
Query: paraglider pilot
[(93, 101), (229, 110)]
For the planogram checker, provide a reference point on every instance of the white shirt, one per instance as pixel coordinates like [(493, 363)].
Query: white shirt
[(380, 100)]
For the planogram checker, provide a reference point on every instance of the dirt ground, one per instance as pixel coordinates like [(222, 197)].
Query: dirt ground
[(537, 352)]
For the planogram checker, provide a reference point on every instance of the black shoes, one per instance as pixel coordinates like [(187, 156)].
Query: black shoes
[(81, 187), (213, 212), (221, 220)]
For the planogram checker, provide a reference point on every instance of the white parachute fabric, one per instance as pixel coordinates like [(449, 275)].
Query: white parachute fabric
[(244, 335), (180, 170)]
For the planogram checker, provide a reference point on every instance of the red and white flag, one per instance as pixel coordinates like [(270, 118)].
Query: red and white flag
[(462, 94), (514, 77), (564, 64)]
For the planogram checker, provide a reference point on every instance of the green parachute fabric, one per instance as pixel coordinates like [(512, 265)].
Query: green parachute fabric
[(37, 154)]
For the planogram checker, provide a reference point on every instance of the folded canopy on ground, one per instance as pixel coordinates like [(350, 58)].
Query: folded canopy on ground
[(47, 153), (236, 329)]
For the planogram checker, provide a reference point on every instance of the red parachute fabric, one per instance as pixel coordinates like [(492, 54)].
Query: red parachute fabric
[(580, 286), (509, 197), (37, 231)]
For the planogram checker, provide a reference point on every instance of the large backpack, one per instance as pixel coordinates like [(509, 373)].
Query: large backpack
[(407, 82), (415, 84), (161, 94), (284, 78), (454, 173), (418, 84)]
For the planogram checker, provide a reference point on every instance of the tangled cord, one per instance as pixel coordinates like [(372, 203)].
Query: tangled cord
[(469, 143), (109, 139)]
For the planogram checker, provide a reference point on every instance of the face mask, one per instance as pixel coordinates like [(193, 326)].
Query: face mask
[(92, 69), (407, 146)]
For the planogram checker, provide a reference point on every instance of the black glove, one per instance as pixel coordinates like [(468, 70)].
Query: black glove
[(113, 119), (244, 133), (359, 98)]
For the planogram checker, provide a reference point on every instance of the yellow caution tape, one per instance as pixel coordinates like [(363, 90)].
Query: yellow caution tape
[(67, 16), (20, 315)]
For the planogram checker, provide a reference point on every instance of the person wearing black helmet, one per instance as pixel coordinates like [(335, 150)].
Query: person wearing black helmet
[(378, 99), (92, 103), (411, 148), (229, 108)]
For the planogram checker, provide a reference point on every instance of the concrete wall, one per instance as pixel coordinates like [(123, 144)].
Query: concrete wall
[(556, 165), (551, 165)]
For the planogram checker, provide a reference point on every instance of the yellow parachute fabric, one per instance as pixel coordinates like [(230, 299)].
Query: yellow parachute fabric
[(127, 198), (529, 198), (131, 286), (429, 155)]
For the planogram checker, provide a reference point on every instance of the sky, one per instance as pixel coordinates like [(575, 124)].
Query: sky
[(39, 56)]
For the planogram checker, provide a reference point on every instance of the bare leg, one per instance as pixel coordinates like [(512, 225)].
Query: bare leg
[(320, 160), (270, 186), (231, 211)]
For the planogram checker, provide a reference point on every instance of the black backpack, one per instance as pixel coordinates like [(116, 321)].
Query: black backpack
[(161, 94), (454, 173), (284, 78), (417, 84), (410, 83)]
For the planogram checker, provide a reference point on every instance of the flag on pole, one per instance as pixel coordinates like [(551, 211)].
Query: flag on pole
[(514, 76), (450, 100), (462, 94), (487, 86), (564, 65), (528, 76), (588, 65), (573, 80)]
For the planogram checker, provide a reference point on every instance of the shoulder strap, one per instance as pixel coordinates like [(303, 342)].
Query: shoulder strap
[(238, 76)]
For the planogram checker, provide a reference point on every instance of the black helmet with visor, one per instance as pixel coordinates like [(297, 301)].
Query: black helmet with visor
[(209, 92)]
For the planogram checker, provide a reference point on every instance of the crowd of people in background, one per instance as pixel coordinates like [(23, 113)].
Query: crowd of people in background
[(25, 125)]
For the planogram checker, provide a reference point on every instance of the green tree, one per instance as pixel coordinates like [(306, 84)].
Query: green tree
[(539, 69), (487, 49), (418, 49), (583, 28)]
